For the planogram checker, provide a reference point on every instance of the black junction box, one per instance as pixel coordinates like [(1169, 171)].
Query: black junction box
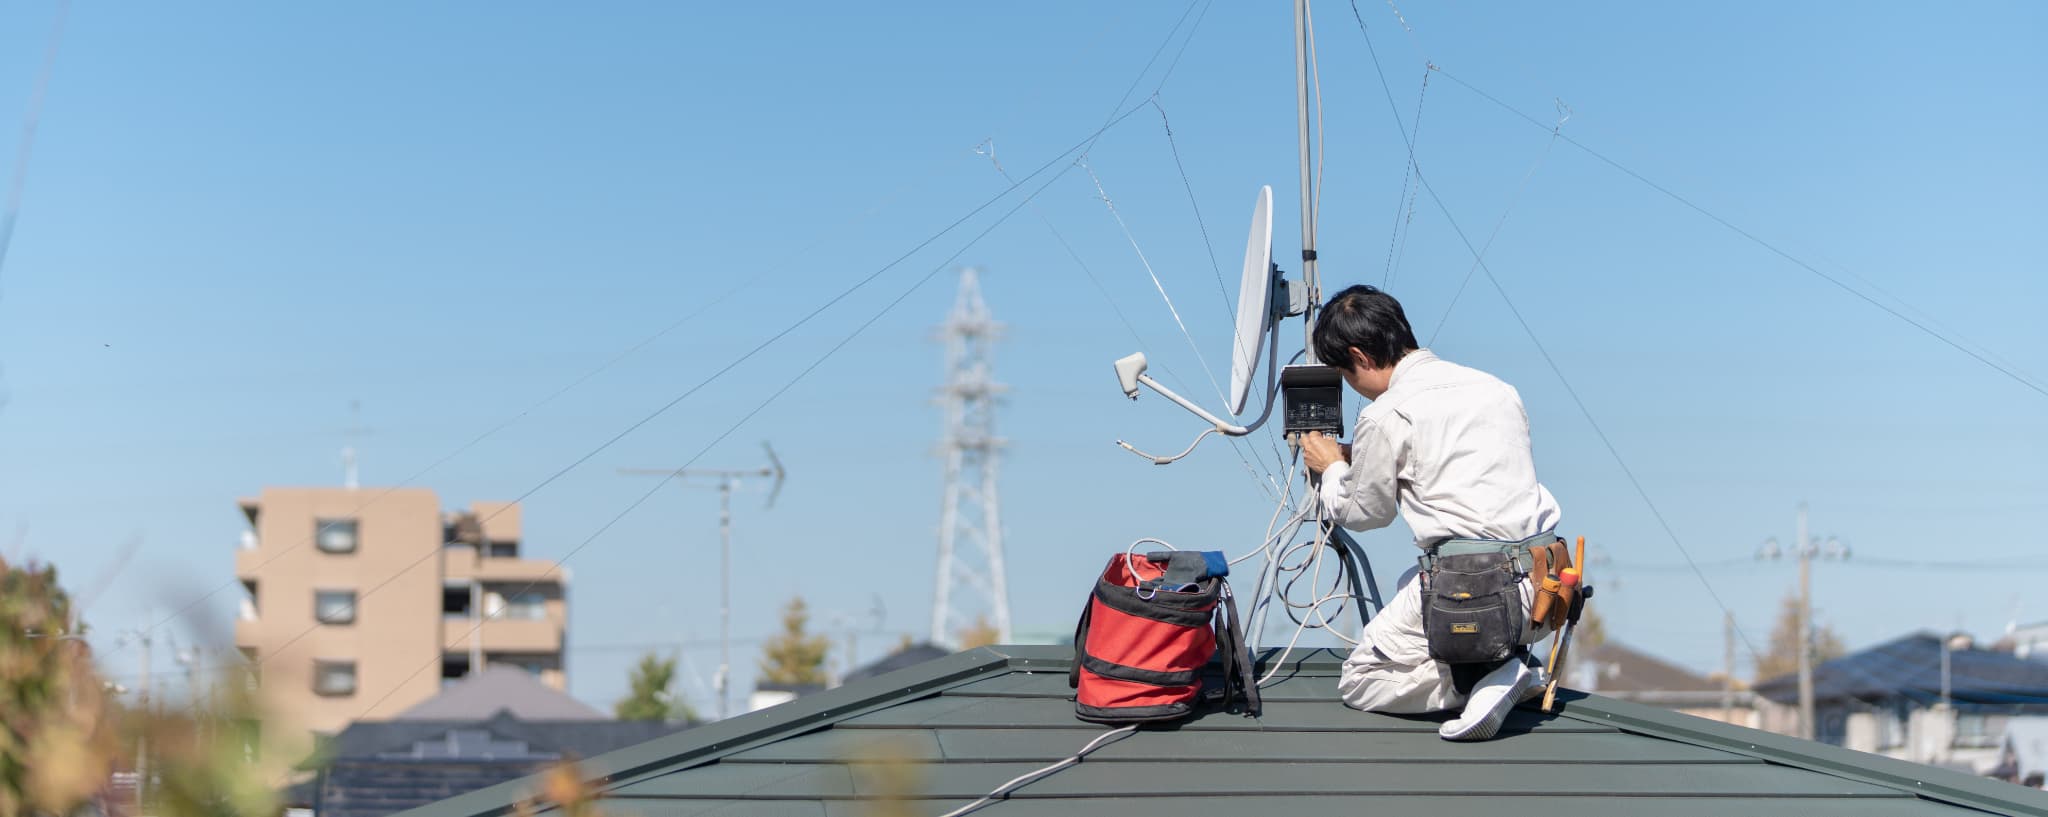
[(1314, 400)]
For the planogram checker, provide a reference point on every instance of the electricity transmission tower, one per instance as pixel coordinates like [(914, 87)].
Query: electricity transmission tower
[(969, 583)]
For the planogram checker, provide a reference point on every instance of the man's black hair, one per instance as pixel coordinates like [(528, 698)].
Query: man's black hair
[(1367, 319)]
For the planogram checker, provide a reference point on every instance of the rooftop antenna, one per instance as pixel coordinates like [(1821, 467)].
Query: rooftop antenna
[(1312, 393), (726, 481), (354, 432)]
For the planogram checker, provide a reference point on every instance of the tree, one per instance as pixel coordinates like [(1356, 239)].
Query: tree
[(57, 742), (650, 698), (1591, 631), (795, 657), (980, 634), (1783, 656)]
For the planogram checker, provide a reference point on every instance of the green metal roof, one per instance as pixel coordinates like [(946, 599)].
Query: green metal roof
[(976, 719)]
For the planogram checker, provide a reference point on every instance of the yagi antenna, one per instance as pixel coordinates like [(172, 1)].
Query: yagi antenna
[(1257, 317)]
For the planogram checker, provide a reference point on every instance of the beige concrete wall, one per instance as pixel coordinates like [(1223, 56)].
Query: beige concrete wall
[(398, 547)]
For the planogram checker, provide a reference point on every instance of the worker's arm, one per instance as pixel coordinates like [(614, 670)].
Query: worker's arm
[(1360, 494)]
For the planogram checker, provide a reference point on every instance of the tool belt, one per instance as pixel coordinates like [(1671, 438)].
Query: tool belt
[(1472, 610)]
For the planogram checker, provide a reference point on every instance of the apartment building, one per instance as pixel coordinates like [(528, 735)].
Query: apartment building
[(359, 603)]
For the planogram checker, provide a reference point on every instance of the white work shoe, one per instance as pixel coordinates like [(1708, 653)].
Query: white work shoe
[(1491, 700)]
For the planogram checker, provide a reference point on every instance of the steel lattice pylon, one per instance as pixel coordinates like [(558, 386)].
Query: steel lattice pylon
[(970, 582)]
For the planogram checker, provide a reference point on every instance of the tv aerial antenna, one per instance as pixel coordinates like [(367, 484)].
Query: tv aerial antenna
[(726, 480)]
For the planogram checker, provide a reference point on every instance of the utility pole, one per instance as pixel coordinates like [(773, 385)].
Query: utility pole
[(970, 512), (1727, 667), (1806, 549), (142, 735), (727, 481)]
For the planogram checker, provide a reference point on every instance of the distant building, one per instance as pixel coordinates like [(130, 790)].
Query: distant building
[(2029, 642), (498, 725), (1923, 698), (361, 597), (1618, 671)]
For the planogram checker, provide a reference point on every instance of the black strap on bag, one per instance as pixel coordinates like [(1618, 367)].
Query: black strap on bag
[(1240, 676)]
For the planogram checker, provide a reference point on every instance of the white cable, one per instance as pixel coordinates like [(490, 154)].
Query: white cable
[(1036, 774)]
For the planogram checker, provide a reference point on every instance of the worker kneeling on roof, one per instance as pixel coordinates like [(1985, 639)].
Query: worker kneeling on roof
[(1447, 447)]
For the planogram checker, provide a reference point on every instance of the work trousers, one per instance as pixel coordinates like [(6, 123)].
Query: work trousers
[(1390, 670)]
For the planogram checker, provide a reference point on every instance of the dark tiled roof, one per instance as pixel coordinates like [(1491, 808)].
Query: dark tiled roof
[(372, 739), (905, 658), (379, 788), (1910, 667), (976, 719), (368, 776)]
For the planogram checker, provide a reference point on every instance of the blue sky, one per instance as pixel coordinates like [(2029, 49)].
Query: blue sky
[(239, 219)]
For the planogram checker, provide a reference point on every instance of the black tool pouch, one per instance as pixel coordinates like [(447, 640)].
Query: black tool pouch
[(1471, 606)]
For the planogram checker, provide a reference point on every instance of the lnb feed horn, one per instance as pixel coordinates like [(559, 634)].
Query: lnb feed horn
[(1255, 320)]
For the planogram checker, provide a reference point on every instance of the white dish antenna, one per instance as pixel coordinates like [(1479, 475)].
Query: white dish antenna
[(1254, 301)]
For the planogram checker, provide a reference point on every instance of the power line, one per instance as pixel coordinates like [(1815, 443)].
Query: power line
[(556, 566), (1537, 342), (1952, 342)]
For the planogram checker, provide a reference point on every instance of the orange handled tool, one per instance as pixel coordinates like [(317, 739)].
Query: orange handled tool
[(1576, 592)]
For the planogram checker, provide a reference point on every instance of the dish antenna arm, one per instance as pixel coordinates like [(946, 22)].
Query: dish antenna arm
[(1131, 374)]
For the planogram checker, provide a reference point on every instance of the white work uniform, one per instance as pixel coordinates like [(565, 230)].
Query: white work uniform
[(1448, 447)]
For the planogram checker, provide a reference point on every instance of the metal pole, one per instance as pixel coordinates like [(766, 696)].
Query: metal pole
[(724, 593), (142, 734), (1945, 688), (1805, 548), (476, 622), (1309, 279), (1728, 667)]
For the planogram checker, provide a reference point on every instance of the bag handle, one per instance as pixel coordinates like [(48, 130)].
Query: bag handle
[(1080, 643), (1239, 673)]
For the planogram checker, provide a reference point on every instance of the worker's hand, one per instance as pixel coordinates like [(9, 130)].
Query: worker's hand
[(1319, 451)]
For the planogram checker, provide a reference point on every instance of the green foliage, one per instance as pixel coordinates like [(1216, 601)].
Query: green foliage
[(794, 657), (57, 741), (650, 697), (979, 634)]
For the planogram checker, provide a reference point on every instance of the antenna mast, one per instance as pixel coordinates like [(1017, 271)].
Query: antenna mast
[(971, 514), (1310, 281), (349, 477)]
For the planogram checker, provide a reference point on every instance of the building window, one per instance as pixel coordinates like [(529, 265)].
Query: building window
[(247, 610), (334, 606), (526, 606), (455, 601), (334, 678), (335, 535)]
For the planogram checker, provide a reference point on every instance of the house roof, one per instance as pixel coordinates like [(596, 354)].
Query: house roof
[(1620, 671), (379, 767), (1911, 667), (972, 720), (365, 740), (907, 657), (501, 688)]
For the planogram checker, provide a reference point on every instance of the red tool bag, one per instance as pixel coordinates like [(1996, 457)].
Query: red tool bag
[(1141, 644)]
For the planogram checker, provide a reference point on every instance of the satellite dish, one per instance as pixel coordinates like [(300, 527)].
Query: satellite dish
[(1254, 301)]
